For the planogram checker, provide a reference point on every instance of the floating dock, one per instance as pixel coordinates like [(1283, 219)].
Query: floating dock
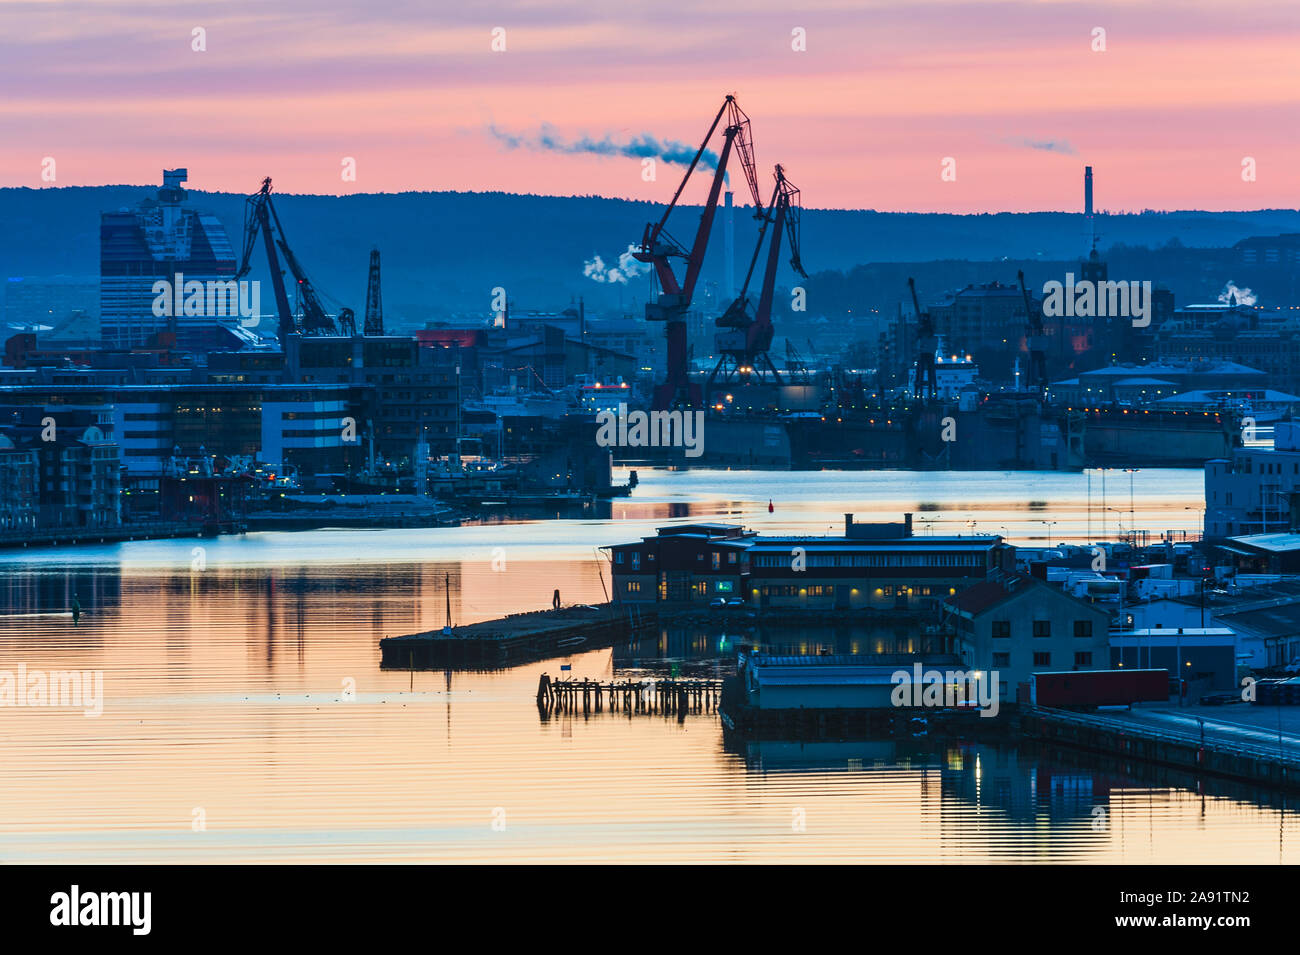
[(519, 638)]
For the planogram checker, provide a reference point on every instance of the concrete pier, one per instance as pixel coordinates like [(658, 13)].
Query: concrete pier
[(1125, 740), (519, 638)]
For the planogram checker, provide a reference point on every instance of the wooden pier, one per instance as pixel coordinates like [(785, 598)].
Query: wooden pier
[(671, 697), (519, 638)]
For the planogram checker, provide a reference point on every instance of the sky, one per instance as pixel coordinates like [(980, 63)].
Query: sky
[(861, 101)]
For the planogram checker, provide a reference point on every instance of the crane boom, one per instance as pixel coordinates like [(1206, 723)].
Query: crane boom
[(260, 216), (658, 248), (744, 351), (257, 220)]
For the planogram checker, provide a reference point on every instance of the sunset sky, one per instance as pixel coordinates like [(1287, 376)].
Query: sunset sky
[(1011, 89)]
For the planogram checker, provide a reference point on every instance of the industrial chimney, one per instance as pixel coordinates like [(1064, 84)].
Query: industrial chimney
[(729, 254), (1087, 206)]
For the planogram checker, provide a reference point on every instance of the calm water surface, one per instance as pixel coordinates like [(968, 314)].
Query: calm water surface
[(246, 717)]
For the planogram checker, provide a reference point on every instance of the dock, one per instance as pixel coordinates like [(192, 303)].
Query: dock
[(117, 534), (519, 638), (1275, 766), (667, 697)]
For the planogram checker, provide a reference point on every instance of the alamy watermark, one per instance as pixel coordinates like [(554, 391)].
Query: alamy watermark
[(1105, 299), (82, 689), (651, 429), (213, 299), (946, 689), (127, 909)]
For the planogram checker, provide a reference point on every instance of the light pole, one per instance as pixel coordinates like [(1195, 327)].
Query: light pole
[(1132, 526), (1089, 474), (1103, 501), (1119, 521), (1049, 525)]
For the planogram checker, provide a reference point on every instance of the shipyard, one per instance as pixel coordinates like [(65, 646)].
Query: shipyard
[(646, 438)]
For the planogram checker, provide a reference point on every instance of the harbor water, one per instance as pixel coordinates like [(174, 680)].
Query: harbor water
[(245, 716)]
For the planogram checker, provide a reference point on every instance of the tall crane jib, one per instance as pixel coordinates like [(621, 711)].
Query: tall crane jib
[(1035, 339), (743, 349), (927, 342), (261, 218), (658, 248)]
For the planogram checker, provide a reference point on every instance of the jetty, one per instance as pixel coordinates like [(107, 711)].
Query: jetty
[(519, 638)]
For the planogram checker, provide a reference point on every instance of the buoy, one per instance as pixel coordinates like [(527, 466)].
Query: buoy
[(770, 508)]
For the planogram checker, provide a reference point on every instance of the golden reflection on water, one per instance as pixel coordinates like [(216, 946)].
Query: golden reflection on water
[(246, 719)]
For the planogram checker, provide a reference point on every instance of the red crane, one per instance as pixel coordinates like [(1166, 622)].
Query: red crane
[(744, 350), (658, 247)]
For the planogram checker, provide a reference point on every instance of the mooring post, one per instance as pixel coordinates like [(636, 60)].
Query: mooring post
[(544, 689)]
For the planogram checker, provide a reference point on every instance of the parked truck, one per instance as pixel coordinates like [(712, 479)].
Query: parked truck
[(1085, 689)]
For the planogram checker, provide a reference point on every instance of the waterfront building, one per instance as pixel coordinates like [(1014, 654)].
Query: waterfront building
[(1139, 383), (845, 681), (1277, 553), (685, 562), (1205, 658), (1251, 492), (77, 465), (1018, 625), (1266, 339), (19, 494), (406, 391), (905, 573), (301, 425), (881, 566), (157, 240)]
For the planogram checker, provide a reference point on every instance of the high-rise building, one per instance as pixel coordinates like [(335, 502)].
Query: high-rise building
[(158, 240)]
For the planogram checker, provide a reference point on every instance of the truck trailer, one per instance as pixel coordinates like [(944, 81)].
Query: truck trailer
[(1092, 688)]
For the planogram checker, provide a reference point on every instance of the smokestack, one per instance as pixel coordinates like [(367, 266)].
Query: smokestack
[(729, 253), (1087, 206)]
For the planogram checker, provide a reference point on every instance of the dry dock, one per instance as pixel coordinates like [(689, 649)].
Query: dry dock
[(519, 638)]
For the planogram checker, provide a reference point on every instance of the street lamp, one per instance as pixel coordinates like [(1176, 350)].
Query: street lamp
[(1103, 500), (1049, 525), (1132, 526), (1119, 522)]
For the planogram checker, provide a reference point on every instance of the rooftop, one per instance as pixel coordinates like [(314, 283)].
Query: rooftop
[(1273, 543)]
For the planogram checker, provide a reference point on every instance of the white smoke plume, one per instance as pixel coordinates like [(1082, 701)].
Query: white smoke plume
[(1242, 296), (628, 268), (641, 146)]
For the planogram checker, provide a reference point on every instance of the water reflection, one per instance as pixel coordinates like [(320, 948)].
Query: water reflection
[(252, 690)]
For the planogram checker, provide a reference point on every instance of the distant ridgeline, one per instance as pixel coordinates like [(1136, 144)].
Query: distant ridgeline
[(444, 252)]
